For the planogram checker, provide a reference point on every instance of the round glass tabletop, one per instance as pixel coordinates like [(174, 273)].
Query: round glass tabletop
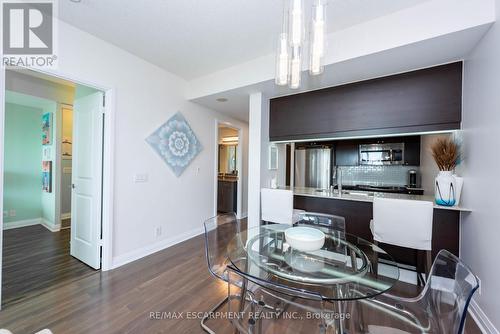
[(345, 268)]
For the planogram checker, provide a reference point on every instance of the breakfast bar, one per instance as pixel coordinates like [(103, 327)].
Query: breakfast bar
[(357, 208)]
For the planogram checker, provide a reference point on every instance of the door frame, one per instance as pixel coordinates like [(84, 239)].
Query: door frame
[(59, 170), (2, 121), (239, 166), (108, 162)]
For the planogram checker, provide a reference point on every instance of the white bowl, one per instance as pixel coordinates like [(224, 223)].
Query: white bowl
[(305, 239)]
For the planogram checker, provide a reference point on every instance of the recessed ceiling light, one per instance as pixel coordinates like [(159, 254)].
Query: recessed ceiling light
[(76, 1), (221, 99)]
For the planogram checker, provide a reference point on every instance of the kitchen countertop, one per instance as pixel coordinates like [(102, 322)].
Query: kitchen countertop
[(227, 180), (366, 196)]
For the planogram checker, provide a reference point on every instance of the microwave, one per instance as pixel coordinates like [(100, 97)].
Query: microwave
[(382, 154)]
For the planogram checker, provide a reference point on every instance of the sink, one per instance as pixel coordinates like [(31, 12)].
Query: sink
[(357, 193), (347, 192)]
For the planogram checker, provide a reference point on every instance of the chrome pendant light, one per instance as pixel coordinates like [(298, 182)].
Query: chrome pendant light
[(291, 40)]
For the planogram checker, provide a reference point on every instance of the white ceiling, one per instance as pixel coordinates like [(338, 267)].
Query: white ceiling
[(192, 38), (445, 49)]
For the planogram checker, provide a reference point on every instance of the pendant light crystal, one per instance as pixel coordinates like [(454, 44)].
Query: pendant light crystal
[(295, 67), (317, 43), (282, 61), (283, 56), (296, 29)]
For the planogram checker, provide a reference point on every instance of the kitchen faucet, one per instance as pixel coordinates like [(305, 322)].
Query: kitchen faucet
[(338, 178)]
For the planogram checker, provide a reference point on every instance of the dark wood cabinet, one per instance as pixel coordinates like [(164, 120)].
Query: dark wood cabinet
[(227, 196), (412, 151), (347, 153), (423, 100), (445, 230)]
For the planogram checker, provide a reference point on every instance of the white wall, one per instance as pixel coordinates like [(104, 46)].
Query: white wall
[(145, 96), (265, 173), (481, 124), (258, 125)]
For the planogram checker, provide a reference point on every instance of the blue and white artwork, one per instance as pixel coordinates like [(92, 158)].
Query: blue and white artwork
[(176, 143)]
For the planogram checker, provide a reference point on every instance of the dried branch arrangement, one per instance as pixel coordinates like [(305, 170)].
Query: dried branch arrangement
[(446, 154)]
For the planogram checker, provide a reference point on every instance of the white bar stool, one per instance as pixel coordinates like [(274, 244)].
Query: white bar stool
[(277, 206), (404, 223)]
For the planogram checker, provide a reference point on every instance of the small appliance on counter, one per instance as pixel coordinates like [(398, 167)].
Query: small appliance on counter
[(412, 178)]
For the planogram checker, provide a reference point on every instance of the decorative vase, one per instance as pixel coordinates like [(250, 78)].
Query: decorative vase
[(445, 191)]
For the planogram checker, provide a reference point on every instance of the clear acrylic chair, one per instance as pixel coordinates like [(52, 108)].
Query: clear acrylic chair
[(322, 220), (219, 232), (331, 224), (440, 308), (271, 300)]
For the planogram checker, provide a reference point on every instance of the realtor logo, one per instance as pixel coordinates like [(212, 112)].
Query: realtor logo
[(28, 33)]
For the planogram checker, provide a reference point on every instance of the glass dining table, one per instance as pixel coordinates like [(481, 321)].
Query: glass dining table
[(345, 268)]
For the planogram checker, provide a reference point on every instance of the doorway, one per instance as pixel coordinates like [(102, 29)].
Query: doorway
[(228, 169), (52, 191)]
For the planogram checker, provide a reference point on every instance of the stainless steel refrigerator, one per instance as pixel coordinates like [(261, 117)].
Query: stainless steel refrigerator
[(313, 167)]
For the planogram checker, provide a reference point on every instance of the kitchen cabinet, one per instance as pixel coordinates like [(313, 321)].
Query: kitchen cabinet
[(347, 153), (227, 196), (423, 100), (412, 151)]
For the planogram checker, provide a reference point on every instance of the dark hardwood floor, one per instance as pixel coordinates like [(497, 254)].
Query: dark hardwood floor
[(66, 223), (35, 260), (121, 300)]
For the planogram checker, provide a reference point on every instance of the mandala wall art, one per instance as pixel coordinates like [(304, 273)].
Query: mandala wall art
[(176, 143)]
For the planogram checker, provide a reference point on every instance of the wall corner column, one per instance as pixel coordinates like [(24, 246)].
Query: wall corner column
[(258, 130)]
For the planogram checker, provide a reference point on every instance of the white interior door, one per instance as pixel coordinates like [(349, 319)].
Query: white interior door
[(86, 197)]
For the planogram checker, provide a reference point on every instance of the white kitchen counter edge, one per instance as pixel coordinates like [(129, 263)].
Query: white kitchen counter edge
[(310, 192)]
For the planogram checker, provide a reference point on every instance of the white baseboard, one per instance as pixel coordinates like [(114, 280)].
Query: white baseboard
[(243, 215), (121, 260), (30, 222), (65, 215), (50, 226), (481, 319), (22, 223)]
